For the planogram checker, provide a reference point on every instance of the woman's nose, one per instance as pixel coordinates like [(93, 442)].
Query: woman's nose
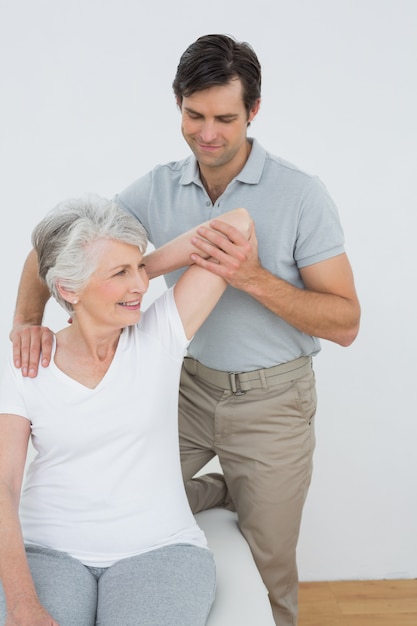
[(141, 282)]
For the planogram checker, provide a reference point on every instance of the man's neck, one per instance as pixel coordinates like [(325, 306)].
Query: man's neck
[(214, 188), (216, 179)]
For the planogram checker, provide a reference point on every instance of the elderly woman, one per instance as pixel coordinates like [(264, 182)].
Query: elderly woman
[(104, 534)]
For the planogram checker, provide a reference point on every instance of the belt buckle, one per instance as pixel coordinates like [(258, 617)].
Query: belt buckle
[(235, 384)]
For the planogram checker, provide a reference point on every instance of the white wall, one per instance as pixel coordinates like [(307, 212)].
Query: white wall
[(86, 105)]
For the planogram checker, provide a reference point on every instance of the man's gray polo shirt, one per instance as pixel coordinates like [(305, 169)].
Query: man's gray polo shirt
[(297, 224)]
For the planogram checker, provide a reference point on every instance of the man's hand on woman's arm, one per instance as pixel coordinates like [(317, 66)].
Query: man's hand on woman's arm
[(177, 252)]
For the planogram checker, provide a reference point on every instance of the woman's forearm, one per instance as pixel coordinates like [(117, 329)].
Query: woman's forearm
[(14, 569), (15, 575)]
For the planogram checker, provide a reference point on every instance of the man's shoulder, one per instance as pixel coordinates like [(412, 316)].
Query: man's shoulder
[(162, 178), (288, 167), (277, 166)]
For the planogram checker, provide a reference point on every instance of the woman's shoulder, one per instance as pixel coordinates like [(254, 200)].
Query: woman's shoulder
[(162, 321)]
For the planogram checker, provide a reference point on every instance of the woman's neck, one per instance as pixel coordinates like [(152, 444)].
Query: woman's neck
[(83, 355)]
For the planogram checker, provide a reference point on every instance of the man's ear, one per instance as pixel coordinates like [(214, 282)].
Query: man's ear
[(254, 110)]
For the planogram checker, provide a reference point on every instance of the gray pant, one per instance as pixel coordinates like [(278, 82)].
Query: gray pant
[(264, 439), (171, 586)]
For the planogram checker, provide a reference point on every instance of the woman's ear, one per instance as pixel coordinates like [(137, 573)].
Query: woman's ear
[(67, 294)]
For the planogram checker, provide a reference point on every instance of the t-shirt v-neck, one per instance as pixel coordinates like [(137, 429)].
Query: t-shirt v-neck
[(106, 379)]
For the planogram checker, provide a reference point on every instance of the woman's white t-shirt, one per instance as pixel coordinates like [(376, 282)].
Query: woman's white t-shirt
[(106, 481)]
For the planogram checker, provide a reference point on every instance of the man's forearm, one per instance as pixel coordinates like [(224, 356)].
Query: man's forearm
[(32, 294), (326, 315)]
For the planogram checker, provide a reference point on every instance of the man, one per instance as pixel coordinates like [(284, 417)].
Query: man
[(247, 389)]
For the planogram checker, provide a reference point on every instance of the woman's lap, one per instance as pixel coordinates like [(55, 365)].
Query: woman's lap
[(171, 586)]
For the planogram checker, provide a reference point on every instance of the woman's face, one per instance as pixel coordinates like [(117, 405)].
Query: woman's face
[(113, 295)]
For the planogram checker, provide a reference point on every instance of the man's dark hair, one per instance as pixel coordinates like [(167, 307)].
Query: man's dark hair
[(216, 60)]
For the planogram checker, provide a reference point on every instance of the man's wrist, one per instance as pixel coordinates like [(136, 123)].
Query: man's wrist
[(19, 321)]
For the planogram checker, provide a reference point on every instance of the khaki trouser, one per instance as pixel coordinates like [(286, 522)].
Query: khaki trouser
[(263, 434)]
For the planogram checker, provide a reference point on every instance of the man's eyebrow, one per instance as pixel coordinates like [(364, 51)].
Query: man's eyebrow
[(190, 110), (228, 115), (220, 116)]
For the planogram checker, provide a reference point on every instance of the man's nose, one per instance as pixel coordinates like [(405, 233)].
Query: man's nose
[(208, 131)]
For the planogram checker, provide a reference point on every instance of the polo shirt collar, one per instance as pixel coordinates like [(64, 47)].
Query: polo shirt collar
[(190, 172), (250, 174), (253, 168)]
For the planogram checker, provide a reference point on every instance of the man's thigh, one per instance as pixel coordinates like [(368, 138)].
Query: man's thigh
[(265, 441), (266, 452), (264, 438), (197, 406), (64, 586), (173, 586)]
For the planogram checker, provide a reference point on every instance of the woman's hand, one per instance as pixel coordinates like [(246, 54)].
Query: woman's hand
[(29, 613)]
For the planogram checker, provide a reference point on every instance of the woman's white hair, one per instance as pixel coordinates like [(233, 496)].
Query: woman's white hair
[(63, 240)]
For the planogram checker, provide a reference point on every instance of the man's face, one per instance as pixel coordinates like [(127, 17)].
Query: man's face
[(214, 124)]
